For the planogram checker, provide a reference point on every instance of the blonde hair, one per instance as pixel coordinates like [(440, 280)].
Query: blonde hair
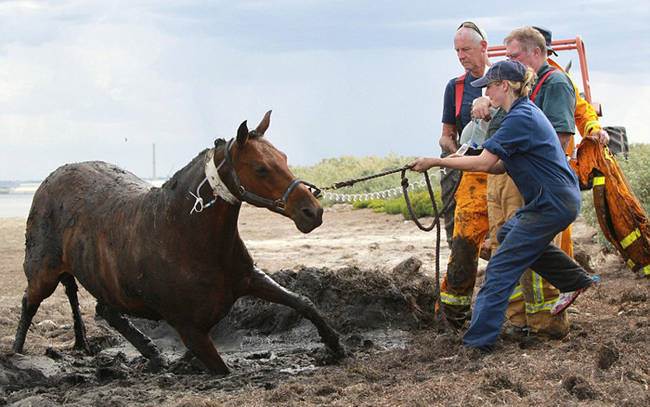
[(528, 37), (524, 87)]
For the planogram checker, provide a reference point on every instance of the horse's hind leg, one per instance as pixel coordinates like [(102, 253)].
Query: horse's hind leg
[(132, 334), (262, 286), (39, 287), (80, 341)]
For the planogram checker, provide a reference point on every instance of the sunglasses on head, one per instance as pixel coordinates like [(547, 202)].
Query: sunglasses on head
[(472, 26)]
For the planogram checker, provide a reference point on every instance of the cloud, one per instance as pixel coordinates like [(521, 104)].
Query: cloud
[(624, 103), (84, 80)]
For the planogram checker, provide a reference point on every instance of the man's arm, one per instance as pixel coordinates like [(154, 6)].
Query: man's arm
[(448, 138), (564, 139)]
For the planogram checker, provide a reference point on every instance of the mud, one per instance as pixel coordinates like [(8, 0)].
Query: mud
[(370, 275), (262, 342)]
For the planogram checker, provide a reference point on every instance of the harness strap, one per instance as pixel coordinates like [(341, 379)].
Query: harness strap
[(460, 88), (218, 186), (229, 187), (539, 84)]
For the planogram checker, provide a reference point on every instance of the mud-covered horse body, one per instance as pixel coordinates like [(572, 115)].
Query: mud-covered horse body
[(139, 251)]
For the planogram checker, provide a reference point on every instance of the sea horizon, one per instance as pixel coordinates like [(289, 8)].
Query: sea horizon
[(16, 196)]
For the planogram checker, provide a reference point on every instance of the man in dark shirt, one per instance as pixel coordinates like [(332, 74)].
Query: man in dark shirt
[(466, 219)]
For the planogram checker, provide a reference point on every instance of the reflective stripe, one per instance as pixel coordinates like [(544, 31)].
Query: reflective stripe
[(538, 288), (630, 264), (599, 181), (608, 155), (591, 125), (631, 238), (451, 299), (646, 270), (516, 293), (544, 306)]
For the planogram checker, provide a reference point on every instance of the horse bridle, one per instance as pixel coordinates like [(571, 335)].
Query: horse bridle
[(227, 175)]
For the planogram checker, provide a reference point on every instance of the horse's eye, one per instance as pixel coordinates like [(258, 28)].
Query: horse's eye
[(261, 171)]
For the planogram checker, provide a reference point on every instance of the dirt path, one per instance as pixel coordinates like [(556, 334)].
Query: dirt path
[(396, 358), (347, 237)]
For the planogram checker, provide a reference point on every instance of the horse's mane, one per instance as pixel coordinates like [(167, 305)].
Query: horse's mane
[(170, 183)]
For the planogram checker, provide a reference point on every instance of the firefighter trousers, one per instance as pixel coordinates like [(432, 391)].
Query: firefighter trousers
[(533, 297), (470, 230)]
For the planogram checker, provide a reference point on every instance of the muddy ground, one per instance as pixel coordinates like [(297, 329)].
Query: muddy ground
[(370, 274)]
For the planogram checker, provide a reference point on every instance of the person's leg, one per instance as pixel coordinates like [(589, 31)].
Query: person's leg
[(470, 229), (448, 180), (510, 201), (492, 299), (541, 296), (525, 242), (561, 270)]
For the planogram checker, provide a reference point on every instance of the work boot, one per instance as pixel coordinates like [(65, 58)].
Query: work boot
[(545, 324), (515, 333), (455, 315)]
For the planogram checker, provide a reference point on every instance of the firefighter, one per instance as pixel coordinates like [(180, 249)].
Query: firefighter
[(526, 145), (470, 225)]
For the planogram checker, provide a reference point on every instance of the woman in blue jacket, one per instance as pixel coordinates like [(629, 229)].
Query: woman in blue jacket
[(527, 147)]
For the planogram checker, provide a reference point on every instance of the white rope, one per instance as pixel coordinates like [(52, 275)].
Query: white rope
[(385, 194), (198, 203)]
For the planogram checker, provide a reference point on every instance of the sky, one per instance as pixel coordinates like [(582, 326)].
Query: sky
[(105, 80)]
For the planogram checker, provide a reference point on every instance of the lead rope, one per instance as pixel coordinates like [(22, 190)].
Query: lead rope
[(198, 203), (436, 223)]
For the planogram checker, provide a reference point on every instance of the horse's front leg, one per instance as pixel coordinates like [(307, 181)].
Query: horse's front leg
[(262, 286), (201, 346)]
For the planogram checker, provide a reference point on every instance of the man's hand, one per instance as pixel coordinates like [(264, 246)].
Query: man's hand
[(481, 108), (424, 163), (448, 138), (600, 135)]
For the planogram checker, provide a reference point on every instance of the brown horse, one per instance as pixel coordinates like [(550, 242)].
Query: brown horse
[(153, 253)]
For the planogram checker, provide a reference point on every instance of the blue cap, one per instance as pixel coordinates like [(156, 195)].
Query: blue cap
[(508, 70)]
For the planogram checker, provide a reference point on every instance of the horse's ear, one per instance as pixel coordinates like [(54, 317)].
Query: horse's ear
[(242, 133), (264, 124)]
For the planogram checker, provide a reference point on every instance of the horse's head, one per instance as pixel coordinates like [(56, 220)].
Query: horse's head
[(256, 172)]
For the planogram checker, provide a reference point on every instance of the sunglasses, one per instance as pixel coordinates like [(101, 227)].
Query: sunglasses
[(472, 26)]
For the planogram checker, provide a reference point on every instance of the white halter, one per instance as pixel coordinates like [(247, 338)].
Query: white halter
[(219, 189)]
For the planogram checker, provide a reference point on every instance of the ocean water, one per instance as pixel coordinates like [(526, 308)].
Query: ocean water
[(18, 201), (15, 205)]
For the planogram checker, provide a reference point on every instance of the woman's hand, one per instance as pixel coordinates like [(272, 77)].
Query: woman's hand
[(481, 108), (424, 163)]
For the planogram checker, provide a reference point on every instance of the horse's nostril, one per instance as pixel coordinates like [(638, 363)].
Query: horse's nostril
[(309, 213)]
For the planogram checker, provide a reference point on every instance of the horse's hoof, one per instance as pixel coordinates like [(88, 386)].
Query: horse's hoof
[(157, 364)]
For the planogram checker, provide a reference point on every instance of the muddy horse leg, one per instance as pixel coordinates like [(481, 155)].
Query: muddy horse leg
[(132, 334), (80, 341), (262, 286), (38, 288), (200, 344)]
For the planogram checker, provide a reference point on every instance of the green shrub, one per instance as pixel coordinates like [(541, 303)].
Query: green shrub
[(329, 171), (637, 172), (420, 202)]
